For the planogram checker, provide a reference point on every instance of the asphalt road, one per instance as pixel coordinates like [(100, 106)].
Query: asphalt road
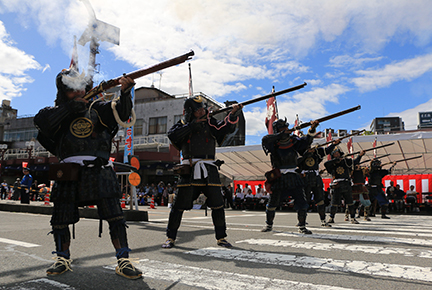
[(381, 254)]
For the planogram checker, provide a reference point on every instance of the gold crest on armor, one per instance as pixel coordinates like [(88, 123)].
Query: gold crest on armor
[(310, 161), (340, 170), (59, 174), (81, 127)]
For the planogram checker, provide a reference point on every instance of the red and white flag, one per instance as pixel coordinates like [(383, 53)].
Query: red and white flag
[(190, 82), (74, 59), (374, 145), (329, 138), (350, 145), (272, 114)]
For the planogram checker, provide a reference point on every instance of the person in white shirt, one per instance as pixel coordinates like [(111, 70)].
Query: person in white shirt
[(411, 198)]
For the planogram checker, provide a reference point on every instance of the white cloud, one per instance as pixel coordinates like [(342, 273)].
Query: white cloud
[(404, 70), (14, 65), (410, 116), (309, 106)]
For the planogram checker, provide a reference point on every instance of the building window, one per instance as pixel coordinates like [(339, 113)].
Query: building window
[(138, 127), (177, 118), (20, 135), (158, 125)]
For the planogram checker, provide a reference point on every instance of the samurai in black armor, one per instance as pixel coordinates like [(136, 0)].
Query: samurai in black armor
[(341, 168), (308, 164), (79, 134), (196, 138), (284, 149), (376, 193)]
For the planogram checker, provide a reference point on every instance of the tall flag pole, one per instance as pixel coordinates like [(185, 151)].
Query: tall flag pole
[(374, 145), (74, 59), (329, 138), (272, 114), (190, 82)]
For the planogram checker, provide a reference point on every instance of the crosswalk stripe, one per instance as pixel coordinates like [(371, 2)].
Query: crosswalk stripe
[(18, 243), (360, 267), (376, 239), (214, 279), (345, 247)]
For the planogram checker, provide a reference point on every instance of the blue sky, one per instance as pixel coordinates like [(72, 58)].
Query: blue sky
[(376, 54)]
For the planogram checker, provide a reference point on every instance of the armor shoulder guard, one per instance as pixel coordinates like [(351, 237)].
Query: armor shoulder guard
[(178, 133)]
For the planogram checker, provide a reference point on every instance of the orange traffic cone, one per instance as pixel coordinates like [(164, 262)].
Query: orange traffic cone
[(162, 201), (152, 203), (123, 202), (47, 199)]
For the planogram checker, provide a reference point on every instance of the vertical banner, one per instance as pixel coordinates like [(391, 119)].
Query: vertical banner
[(350, 145), (272, 114), (128, 149), (329, 138)]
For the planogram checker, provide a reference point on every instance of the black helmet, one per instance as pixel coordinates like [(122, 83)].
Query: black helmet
[(337, 150), (191, 105), (279, 124), (68, 80), (375, 163)]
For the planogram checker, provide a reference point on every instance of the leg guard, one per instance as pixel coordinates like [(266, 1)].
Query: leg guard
[(352, 210), (321, 211), (333, 210), (270, 215), (174, 223), (301, 216), (62, 241), (118, 235), (218, 216)]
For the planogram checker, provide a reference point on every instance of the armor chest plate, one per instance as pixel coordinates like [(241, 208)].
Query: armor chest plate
[(200, 144)]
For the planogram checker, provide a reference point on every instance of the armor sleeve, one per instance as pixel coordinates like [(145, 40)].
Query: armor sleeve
[(329, 165), (124, 106), (329, 149), (268, 142), (179, 132), (220, 129), (357, 160), (49, 119)]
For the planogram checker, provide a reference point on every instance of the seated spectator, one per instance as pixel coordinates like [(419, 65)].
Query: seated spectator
[(398, 196), (412, 199), (239, 198)]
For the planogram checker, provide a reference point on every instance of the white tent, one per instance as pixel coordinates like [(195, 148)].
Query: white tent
[(250, 162)]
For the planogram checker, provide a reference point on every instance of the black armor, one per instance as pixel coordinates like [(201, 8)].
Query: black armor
[(284, 149), (197, 142), (75, 128)]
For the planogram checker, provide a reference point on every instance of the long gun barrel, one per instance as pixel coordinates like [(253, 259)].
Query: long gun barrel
[(344, 137), (374, 158), (405, 159), (248, 102), (138, 73), (326, 118), (373, 148)]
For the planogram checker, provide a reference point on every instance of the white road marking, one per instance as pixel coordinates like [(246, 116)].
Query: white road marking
[(18, 243), (360, 267), (374, 239), (40, 284), (213, 279), (344, 247)]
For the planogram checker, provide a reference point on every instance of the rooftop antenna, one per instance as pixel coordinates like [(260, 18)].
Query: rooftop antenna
[(160, 79), (97, 31)]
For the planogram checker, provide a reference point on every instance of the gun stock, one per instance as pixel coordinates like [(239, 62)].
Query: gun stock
[(248, 102), (138, 73)]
